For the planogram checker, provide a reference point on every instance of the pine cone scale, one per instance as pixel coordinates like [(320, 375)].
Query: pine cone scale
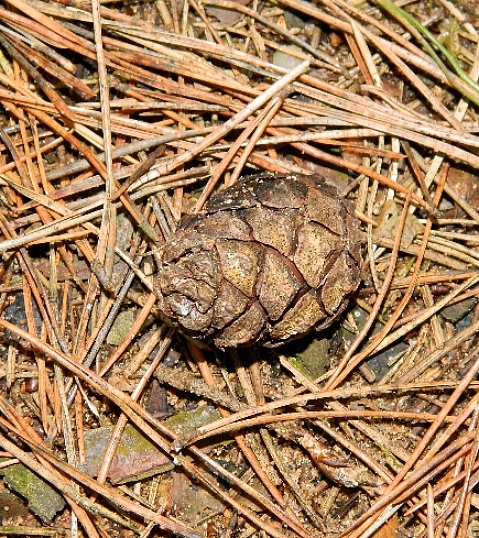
[(279, 285), (245, 329), (229, 306), (273, 227), (305, 315), (240, 264)]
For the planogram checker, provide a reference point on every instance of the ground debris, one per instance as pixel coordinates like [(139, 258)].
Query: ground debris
[(125, 130)]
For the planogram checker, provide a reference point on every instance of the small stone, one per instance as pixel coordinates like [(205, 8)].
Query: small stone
[(281, 58), (120, 327), (42, 499)]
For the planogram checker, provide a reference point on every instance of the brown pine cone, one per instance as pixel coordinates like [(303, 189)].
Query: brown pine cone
[(268, 260)]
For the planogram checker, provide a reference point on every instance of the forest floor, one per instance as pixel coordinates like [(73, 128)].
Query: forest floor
[(118, 119)]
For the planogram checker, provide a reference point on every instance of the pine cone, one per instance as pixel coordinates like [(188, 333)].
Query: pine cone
[(268, 260)]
